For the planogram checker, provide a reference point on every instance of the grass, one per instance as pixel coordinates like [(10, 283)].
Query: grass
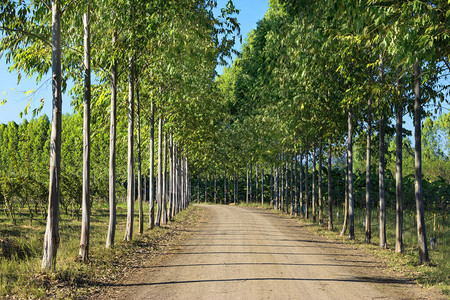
[(21, 253), (434, 274)]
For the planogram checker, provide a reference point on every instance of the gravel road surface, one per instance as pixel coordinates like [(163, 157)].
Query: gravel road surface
[(252, 253)]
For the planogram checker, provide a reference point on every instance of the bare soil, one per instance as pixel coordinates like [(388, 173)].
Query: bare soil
[(252, 253)]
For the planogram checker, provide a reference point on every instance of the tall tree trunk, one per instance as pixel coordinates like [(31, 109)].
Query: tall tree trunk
[(345, 220), (183, 183), (381, 186), (381, 170), (246, 190), (271, 187), (164, 181), (235, 188), (368, 233), (251, 183), (139, 164), (177, 180), (300, 188), (351, 199), (51, 239), (144, 188), (185, 189), (112, 154), (159, 193), (130, 171), (286, 185), (296, 184), (230, 183), (187, 193), (319, 183), (275, 189), (206, 188), (215, 189), (282, 200), (306, 185), (291, 191), (180, 182), (171, 178), (198, 189), (330, 198), (398, 181), (256, 183), (86, 211), (313, 191), (262, 186), (225, 187), (421, 234), (151, 179)]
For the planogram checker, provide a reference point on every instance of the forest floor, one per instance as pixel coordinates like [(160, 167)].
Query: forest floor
[(252, 253)]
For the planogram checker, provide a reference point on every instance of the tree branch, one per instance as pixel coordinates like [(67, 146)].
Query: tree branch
[(46, 5), (446, 63), (26, 33)]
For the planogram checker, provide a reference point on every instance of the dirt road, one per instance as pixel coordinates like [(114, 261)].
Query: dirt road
[(250, 253)]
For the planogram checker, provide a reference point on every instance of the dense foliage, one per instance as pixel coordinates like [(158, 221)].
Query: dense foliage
[(339, 77)]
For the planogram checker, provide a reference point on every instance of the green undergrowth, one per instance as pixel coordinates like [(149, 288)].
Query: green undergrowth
[(21, 253), (433, 274)]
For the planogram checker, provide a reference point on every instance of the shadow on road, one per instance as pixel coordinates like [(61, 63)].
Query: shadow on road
[(354, 280)]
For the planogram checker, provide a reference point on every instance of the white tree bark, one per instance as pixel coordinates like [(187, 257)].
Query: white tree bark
[(351, 199), (86, 210), (51, 238), (138, 148), (151, 185), (421, 234), (112, 154), (381, 172), (160, 183), (130, 164), (368, 229)]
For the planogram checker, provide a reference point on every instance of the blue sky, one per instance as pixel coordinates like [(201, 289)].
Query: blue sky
[(250, 12)]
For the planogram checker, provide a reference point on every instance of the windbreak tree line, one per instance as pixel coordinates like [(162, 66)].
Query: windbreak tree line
[(151, 96), (317, 99)]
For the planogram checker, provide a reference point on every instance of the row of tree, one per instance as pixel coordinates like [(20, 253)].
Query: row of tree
[(168, 49), (313, 78), (320, 77)]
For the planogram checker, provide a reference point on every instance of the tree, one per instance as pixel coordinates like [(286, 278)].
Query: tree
[(86, 212), (51, 238), (112, 152), (368, 229), (130, 164), (421, 234)]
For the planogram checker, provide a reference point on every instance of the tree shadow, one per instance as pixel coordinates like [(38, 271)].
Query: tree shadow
[(259, 245), (11, 232), (254, 264), (375, 280), (264, 253)]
